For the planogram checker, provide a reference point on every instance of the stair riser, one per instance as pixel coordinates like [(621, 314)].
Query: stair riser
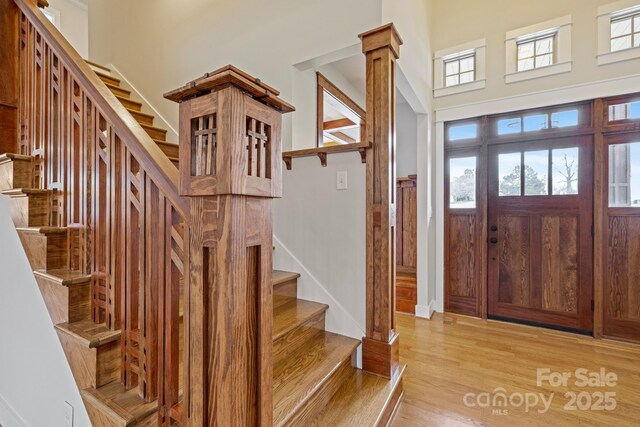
[(316, 403), (65, 303), (142, 119), (91, 367), (287, 289), (392, 406), (171, 150), (29, 210), (292, 341), (45, 252), (15, 174), (160, 135)]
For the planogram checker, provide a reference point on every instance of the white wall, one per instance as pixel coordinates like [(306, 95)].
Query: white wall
[(406, 140), (323, 230), (461, 21), (74, 23), (183, 40), (35, 378)]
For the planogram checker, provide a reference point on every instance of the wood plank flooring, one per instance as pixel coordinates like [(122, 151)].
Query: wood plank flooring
[(448, 357)]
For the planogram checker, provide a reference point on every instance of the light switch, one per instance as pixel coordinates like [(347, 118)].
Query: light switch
[(341, 181)]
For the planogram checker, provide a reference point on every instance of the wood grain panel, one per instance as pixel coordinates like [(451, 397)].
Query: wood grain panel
[(462, 256), (560, 263), (515, 258), (622, 293)]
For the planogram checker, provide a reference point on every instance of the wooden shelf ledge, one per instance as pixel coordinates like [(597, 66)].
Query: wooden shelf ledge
[(322, 153)]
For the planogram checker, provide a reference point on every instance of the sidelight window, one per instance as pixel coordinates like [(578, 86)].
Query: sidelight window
[(462, 182), (624, 175)]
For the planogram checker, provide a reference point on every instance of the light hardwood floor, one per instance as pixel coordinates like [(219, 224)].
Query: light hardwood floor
[(448, 357)]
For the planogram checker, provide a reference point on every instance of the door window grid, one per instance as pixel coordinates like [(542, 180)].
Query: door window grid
[(624, 111), (625, 31), (532, 169)]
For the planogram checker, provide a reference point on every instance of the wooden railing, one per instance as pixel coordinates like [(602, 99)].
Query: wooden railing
[(117, 194)]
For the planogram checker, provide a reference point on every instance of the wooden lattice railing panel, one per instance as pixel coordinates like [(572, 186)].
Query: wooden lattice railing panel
[(116, 193)]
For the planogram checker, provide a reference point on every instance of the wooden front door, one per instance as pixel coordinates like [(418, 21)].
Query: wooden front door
[(540, 232)]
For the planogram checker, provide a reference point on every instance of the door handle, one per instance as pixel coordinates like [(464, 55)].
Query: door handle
[(493, 240)]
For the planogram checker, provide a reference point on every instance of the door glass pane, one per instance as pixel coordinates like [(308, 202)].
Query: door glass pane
[(537, 122), (624, 175), (509, 174), (565, 170), (465, 131), (536, 170), (462, 183), (508, 126)]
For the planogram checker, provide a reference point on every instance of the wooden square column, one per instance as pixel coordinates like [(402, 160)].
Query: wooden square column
[(230, 167), (9, 72), (380, 347)]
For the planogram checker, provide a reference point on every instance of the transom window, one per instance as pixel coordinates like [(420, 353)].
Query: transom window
[(624, 111), (460, 68), (535, 52), (625, 30), (538, 121)]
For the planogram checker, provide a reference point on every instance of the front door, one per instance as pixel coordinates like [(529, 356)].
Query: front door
[(540, 232)]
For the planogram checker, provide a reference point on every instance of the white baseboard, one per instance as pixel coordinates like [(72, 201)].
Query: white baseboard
[(163, 122), (426, 311), (9, 417)]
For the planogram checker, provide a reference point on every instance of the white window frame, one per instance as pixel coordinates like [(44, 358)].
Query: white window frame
[(478, 49), (534, 39), (457, 58), (562, 62), (603, 21)]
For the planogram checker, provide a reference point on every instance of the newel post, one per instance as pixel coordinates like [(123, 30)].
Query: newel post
[(380, 348), (230, 168)]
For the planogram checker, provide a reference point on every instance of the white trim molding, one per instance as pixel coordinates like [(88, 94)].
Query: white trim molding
[(562, 62), (8, 415), (479, 48), (603, 23), (426, 311)]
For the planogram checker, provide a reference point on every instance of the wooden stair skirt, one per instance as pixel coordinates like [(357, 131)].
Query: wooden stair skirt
[(315, 381)]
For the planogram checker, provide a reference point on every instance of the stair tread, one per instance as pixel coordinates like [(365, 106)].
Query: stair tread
[(154, 128), (297, 378), (123, 404), (107, 76), (140, 113), (64, 277), (112, 86), (120, 98), (24, 191), (280, 276), (360, 401), (92, 334), (289, 313), (9, 157), (108, 70), (42, 230)]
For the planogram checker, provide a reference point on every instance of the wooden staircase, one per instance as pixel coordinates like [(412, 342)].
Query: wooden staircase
[(159, 135), (315, 381)]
